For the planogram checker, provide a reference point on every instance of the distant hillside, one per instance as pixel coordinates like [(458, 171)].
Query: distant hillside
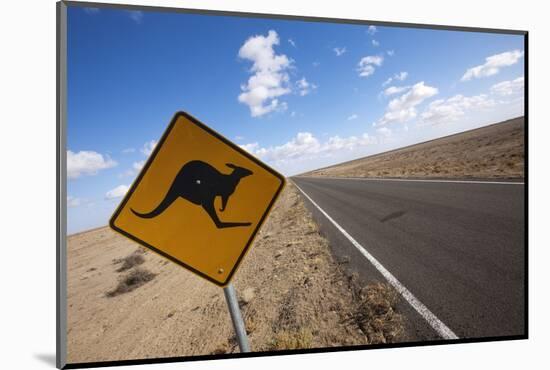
[(495, 151)]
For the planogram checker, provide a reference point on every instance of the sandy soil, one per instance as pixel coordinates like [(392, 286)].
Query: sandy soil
[(495, 151), (127, 303)]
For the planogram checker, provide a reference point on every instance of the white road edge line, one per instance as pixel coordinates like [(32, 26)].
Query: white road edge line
[(422, 180), (442, 329)]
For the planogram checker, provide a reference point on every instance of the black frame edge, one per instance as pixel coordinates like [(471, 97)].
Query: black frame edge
[(526, 177), (61, 187)]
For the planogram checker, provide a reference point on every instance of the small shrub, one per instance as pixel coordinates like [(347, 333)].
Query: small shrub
[(302, 338), (131, 260), (376, 315), (131, 281)]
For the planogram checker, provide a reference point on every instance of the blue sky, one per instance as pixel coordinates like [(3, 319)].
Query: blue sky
[(299, 95)]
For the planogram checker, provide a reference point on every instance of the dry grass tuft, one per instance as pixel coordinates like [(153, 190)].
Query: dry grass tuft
[(376, 315), (130, 261), (131, 281), (302, 338), (251, 322), (494, 151)]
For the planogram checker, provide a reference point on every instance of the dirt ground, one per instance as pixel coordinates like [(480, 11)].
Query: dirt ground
[(495, 151), (128, 303)]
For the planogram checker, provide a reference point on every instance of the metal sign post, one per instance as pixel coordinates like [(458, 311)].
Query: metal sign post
[(235, 312)]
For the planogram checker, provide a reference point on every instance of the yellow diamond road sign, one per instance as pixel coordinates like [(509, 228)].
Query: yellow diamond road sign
[(199, 200)]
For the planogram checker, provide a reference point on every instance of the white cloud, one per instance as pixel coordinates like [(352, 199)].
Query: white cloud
[(137, 166), (250, 147), (372, 30), (366, 65), (339, 51), (384, 131), (450, 110), (303, 144), (270, 79), (507, 88), (291, 42), (493, 64), (306, 146), (349, 143), (392, 90), (403, 108), (390, 53), (136, 15), (86, 162), (375, 43), (316, 64), (401, 76), (304, 87), (376, 60), (148, 147), (146, 150), (73, 202), (117, 192), (366, 70), (293, 114), (239, 138), (352, 117), (254, 148), (128, 150)]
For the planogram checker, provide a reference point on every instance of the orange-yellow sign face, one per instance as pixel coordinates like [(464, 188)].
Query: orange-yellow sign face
[(199, 200)]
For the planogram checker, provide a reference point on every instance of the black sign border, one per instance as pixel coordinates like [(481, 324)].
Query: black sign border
[(208, 130)]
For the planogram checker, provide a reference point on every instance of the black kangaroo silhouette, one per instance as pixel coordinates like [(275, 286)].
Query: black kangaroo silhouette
[(200, 183)]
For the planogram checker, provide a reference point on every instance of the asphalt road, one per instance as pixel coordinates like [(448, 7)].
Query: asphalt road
[(459, 248)]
